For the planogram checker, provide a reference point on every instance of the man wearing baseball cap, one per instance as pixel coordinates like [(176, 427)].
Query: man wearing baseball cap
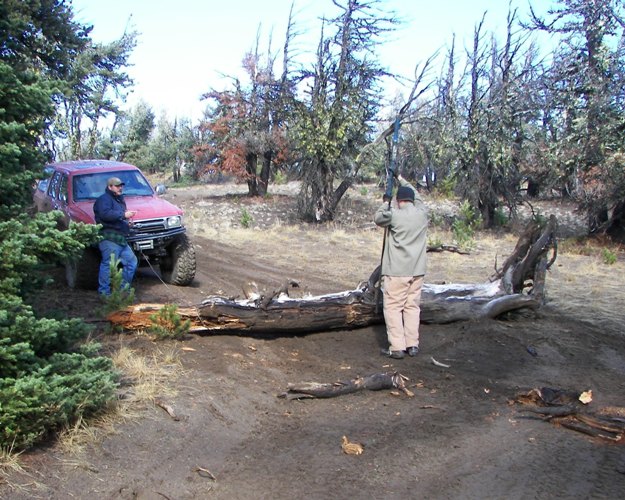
[(110, 211), (403, 268)]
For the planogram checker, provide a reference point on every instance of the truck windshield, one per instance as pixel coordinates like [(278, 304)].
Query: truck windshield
[(91, 186)]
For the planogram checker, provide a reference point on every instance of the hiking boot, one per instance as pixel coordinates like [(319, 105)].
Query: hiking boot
[(392, 354), (413, 351)]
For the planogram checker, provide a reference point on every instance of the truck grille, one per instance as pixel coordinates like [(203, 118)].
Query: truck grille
[(149, 226)]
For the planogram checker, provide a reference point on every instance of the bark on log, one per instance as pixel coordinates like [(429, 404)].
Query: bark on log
[(519, 284), (375, 382)]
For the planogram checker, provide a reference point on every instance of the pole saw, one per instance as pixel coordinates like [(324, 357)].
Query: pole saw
[(388, 194), (390, 171)]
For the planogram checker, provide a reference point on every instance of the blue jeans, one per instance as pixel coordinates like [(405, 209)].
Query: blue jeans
[(125, 255)]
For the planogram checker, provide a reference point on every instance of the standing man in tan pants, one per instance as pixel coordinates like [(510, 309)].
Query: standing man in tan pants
[(403, 268)]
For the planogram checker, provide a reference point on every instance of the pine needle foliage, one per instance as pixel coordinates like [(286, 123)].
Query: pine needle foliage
[(121, 295), (49, 377), (167, 323)]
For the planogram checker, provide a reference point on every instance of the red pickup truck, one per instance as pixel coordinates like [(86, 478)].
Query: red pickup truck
[(158, 235)]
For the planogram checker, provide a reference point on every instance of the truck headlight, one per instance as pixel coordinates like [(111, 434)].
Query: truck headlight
[(175, 221)]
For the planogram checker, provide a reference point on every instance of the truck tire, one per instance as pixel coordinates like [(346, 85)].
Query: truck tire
[(83, 272), (178, 268)]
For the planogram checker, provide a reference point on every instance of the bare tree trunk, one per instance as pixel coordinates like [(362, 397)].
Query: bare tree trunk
[(265, 172), (316, 201), (250, 166)]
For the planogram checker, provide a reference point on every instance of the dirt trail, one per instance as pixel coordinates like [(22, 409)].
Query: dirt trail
[(458, 437)]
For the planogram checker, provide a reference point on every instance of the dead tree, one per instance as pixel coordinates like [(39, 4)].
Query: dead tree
[(518, 284)]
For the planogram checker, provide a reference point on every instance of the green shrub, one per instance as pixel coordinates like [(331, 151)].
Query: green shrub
[(120, 297), (435, 242), (465, 225), (501, 219), (67, 387), (364, 191), (446, 187), (167, 323), (436, 219), (609, 257), (246, 219), (539, 218), (280, 178), (46, 379)]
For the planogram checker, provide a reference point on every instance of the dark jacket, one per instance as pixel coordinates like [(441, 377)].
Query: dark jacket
[(109, 210)]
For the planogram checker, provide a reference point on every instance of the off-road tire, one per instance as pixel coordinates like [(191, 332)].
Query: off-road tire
[(83, 272), (178, 268)]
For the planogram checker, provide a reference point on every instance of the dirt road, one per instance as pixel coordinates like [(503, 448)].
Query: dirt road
[(458, 437)]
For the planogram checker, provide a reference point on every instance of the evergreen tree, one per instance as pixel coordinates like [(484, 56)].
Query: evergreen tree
[(47, 378), (137, 129)]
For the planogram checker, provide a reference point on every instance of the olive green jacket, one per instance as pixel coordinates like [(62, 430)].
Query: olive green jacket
[(406, 241)]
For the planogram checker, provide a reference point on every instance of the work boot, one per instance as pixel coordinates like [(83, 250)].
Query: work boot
[(413, 351), (392, 354)]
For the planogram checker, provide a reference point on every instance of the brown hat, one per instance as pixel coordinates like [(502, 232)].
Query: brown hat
[(114, 181), (404, 193)]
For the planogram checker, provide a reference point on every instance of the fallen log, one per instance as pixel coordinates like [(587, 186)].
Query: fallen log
[(375, 382), (519, 284)]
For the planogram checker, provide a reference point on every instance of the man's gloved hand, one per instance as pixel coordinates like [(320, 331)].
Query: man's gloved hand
[(386, 198)]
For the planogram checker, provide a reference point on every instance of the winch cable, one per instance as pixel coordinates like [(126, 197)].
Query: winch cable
[(182, 299)]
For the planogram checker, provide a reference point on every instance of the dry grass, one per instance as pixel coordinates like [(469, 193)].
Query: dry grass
[(585, 287), (150, 377), (10, 466), (9, 461)]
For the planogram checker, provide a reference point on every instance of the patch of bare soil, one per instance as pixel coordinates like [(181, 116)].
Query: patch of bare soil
[(458, 437)]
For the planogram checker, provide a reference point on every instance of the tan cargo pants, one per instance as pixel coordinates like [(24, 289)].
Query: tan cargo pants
[(402, 311)]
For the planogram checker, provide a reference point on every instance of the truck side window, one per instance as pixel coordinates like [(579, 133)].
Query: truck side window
[(53, 188), (63, 189)]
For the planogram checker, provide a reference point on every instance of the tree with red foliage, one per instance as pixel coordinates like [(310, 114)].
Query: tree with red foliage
[(244, 133)]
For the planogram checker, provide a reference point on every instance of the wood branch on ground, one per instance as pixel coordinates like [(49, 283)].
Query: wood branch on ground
[(443, 247), (375, 382), (569, 409), (518, 284), (168, 408)]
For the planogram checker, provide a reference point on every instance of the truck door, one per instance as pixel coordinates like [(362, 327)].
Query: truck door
[(56, 196)]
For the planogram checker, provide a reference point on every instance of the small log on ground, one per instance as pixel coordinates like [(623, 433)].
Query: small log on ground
[(375, 382), (519, 284), (568, 409)]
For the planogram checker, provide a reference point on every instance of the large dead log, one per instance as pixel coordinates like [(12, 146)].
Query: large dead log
[(519, 284)]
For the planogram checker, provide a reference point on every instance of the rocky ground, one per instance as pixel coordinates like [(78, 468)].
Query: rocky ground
[(460, 436)]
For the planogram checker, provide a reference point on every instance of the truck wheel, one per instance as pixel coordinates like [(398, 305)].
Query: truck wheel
[(83, 271), (178, 268)]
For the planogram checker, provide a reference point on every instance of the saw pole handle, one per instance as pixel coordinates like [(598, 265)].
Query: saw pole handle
[(390, 175), (390, 172)]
